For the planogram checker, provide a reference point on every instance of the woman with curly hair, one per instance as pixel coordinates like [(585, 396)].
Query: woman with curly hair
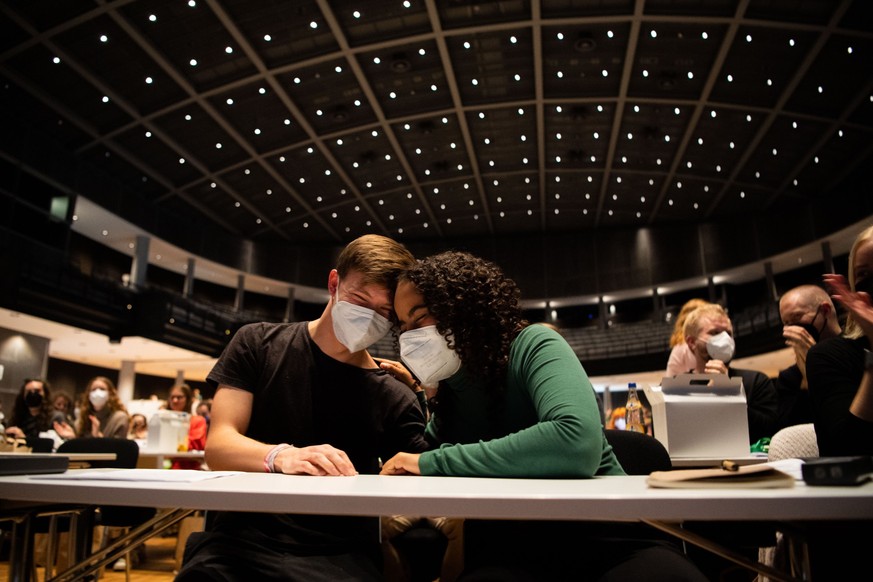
[(101, 412), (33, 412), (512, 401)]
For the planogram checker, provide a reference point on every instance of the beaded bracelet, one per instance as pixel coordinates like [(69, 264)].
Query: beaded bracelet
[(270, 458)]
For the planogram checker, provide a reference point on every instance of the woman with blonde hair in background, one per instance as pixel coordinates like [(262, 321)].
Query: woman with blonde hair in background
[(681, 359)]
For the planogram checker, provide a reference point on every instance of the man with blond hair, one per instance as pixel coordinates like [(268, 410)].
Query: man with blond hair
[(710, 337)]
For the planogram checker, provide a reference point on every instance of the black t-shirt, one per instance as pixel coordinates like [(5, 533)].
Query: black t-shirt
[(304, 397), (834, 369)]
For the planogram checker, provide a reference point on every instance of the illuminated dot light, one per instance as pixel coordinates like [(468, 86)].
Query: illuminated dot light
[(56, 60)]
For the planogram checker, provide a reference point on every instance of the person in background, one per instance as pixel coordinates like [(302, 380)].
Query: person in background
[(840, 370), (139, 428), (33, 412), (682, 360), (808, 317), (101, 413), (204, 409), (512, 400), (709, 335), (306, 398), (63, 402), (179, 400)]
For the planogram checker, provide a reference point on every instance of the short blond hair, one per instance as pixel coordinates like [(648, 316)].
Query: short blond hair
[(853, 330), (708, 311)]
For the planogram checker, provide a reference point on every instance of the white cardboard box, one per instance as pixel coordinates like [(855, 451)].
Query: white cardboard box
[(700, 415)]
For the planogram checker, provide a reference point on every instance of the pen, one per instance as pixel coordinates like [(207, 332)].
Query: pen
[(730, 466)]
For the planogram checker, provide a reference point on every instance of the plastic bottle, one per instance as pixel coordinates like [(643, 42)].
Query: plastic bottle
[(634, 415)]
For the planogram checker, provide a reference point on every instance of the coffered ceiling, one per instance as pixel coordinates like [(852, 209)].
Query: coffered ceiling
[(315, 121)]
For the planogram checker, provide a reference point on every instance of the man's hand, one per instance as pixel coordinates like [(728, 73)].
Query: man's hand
[(314, 460), (15, 432), (401, 464), (797, 338), (715, 367)]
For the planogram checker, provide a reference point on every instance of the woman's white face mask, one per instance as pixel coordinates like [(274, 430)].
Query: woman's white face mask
[(357, 327), (427, 354), (98, 397)]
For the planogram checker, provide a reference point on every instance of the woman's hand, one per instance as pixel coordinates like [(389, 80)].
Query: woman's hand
[(95, 426), (401, 464), (15, 432), (64, 430), (858, 303), (400, 372)]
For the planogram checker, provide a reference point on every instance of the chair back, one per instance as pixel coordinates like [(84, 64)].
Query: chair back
[(40, 444), (638, 453), (126, 451), (791, 442)]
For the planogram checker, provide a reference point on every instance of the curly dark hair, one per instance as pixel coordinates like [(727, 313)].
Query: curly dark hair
[(477, 310)]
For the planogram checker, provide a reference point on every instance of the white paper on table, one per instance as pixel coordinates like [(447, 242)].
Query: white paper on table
[(790, 466), (161, 475)]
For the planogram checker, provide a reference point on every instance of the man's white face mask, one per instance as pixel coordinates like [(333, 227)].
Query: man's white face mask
[(428, 355), (357, 327), (721, 347)]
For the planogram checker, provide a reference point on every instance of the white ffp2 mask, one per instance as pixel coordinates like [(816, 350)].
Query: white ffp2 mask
[(721, 347), (428, 355), (98, 397), (357, 327)]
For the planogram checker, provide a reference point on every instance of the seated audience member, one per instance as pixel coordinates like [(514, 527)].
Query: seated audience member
[(204, 409), (139, 428), (33, 412), (307, 398), (808, 316), (63, 403), (179, 400), (512, 401), (709, 335), (101, 413), (682, 360), (840, 370)]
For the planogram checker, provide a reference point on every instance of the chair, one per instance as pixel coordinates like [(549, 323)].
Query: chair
[(791, 442), (638, 453), (126, 456)]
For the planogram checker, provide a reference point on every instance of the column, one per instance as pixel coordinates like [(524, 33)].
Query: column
[(126, 377), (710, 285), (289, 306), (180, 377), (827, 257), (656, 305), (188, 289), (601, 304), (240, 293), (140, 262), (770, 280)]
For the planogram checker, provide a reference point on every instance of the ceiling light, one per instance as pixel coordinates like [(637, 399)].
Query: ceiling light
[(148, 134), (748, 38), (791, 42), (313, 25), (604, 72), (268, 38), (228, 50), (560, 36), (600, 108), (609, 33), (466, 45), (258, 221), (560, 75), (730, 78), (517, 77), (56, 60), (596, 135), (422, 52), (152, 17), (193, 62), (356, 14), (392, 95), (229, 101), (192, 3), (475, 82), (704, 35), (338, 69), (257, 131), (513, 40), (148, 80), (654, 34), (218, 146), (105, 99), (645, 73), (636, 108)]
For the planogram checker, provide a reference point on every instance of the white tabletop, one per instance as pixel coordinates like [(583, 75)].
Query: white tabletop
[(604, 498)]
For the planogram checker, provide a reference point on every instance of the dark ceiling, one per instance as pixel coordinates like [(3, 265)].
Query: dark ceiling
[(314, 121)]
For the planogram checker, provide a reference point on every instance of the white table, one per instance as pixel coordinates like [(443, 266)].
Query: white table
[(155, 459), (601, 499)]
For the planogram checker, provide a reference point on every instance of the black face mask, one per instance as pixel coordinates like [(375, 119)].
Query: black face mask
[(32, 399), (810, 327)]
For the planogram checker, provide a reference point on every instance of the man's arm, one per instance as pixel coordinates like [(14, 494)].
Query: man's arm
[(228, 449)]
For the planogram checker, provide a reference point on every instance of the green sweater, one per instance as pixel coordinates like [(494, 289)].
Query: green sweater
[(549, 424)]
